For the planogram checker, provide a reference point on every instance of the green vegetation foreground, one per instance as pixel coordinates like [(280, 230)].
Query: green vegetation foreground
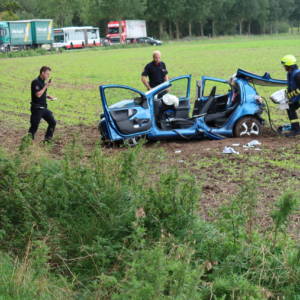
[(100, 229)]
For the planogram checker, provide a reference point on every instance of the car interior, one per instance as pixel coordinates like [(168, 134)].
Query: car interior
[(169, 117), (216, 108)]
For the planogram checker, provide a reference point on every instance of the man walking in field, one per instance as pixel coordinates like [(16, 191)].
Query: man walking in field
[(156, 71), (293, 92), (39, 108)]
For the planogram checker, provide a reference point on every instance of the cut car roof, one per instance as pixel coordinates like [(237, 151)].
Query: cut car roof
[(265, 80)]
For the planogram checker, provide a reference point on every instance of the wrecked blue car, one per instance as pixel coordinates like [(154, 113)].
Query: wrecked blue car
[(222, 108)]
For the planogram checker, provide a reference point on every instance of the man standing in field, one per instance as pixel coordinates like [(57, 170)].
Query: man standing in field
[(156, 71), (293, 92), (39, 108)]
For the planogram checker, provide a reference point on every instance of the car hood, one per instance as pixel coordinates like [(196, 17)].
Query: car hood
[(265, 80)]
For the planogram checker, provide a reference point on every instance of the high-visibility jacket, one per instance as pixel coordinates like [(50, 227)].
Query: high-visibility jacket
[(293, 87)]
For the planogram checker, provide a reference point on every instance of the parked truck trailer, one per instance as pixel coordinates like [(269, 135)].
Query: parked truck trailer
[(130, 31), (25, 34)]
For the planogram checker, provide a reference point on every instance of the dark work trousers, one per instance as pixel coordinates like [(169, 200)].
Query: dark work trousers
[(292, 113), (42, 113)]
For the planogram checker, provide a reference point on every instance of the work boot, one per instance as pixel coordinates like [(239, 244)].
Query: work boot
[(295, 130), (293, 133)]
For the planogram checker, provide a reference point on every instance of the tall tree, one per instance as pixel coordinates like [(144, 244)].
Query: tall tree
[(295, 15), (156, 10), (240, 12), (8, 10), (175, 13), (197, 11)]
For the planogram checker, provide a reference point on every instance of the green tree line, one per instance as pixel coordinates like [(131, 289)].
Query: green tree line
[(166, 19)]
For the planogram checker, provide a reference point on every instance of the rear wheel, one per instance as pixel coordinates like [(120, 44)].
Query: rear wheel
[(248, 126)]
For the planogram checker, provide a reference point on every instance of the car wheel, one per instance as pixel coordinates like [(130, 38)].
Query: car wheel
[(248, 126), (102, 134)]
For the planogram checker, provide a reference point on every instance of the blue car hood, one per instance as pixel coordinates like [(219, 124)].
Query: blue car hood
[(265, 80)]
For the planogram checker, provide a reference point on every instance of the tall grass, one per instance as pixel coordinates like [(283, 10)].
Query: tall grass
[(110, 227)]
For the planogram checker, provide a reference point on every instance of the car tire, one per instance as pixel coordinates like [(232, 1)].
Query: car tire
[(248, 126), (102, 134)]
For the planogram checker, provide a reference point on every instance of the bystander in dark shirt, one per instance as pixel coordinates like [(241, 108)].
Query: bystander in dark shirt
[(36, 86), (156, 73)]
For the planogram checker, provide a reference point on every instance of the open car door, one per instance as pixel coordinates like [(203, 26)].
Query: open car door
[(129, 116)]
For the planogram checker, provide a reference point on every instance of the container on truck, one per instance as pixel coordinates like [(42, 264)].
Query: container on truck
[(25, 34), (130, 31), (42, 32)]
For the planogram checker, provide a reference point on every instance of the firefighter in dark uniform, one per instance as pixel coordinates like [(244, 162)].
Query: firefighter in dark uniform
[(155, 71), (39, 108), (293, 92)]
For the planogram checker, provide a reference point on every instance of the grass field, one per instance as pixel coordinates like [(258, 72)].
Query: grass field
[(171, 220), (77, 75)]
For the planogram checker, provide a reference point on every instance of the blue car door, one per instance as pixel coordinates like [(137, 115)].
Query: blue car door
[(126, 111)]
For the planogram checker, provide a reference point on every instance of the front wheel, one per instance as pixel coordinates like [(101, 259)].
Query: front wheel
[(248, 126)]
